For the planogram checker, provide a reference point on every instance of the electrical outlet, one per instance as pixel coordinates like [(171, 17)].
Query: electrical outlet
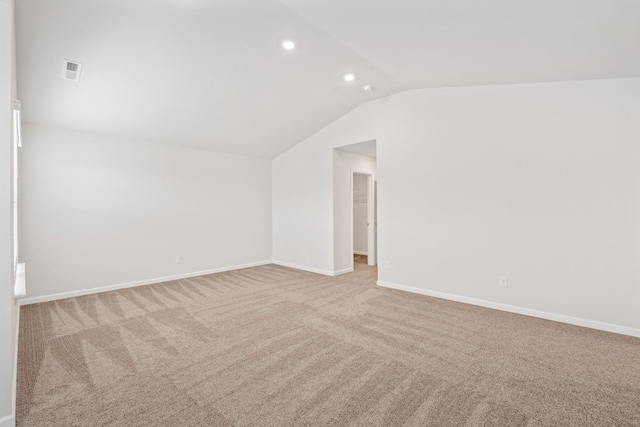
[(386, 265), (178, 259), (504, 282)]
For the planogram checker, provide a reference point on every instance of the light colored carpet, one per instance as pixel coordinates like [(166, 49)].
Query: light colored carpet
[(274, 346)]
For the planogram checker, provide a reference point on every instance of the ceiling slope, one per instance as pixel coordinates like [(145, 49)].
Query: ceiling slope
[(445, 43), (202, 74), (211, 73)]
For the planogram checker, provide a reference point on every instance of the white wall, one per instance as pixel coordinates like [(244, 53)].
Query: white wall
[(97, 212), (303, 208), (359, 182), (7, 307), (537, 182), (343, 163), (360, 215)]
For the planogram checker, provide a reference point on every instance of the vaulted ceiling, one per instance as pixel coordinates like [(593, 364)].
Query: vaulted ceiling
[(213, 74)]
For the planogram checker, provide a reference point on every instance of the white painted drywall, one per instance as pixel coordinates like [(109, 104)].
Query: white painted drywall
[(7, 307), (343, 164), (303, 208), (360, 214), (99, 212), (537, 182), (359, 182)]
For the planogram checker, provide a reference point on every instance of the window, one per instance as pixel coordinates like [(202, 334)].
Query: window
[(18, 270)]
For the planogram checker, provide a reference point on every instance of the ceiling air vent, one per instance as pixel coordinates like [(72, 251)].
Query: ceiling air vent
[(71, 70)]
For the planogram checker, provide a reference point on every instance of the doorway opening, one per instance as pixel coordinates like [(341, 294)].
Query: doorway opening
[(363, 212), (354, 165)]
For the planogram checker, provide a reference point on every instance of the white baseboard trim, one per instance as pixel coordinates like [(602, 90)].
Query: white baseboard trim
[(302, 267), (608, 327), (8, 421), (314, 270), (62, 295), (343, 271), (360, 253)]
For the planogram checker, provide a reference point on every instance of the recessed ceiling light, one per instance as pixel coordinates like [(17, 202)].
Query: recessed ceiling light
[(348, 77), (288, 44), (367, 88)]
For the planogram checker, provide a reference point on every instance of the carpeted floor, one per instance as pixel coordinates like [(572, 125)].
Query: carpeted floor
[(272, 346)]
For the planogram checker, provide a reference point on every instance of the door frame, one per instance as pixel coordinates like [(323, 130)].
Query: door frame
[(371, 216)]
